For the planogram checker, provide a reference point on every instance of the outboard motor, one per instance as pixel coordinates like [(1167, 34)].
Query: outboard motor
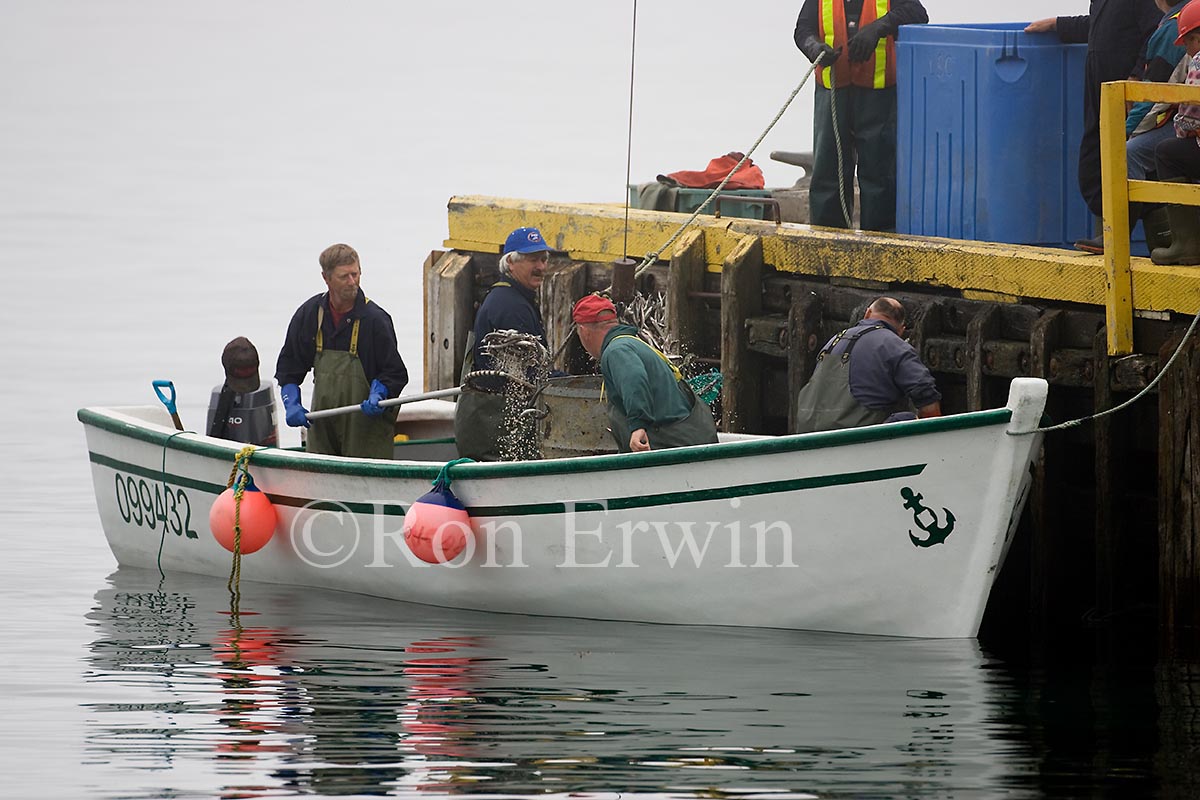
[(243, 407)]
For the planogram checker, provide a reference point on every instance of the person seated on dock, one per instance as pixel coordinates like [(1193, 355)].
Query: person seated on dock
[(868, 374), (1148, 124), (349, 343), (650, 406), (510, 305), (1114, 31), (1177, 158)]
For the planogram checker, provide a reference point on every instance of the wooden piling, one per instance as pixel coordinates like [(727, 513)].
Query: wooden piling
[(1179, 489), (803, 343), (984, 326), (1108, 484), (685, 276), (741, 298), (562, 285), (449, 315), (1047, 516)]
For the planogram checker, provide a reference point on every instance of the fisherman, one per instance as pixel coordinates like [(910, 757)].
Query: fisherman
[(510, 305), (650, 406), (349, 343), (868, 374), (243, 407), (1177, 159), (1114, 31), (855, 42), (1149, 124)]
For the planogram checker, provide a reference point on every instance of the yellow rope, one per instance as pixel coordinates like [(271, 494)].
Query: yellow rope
[(241, 463)]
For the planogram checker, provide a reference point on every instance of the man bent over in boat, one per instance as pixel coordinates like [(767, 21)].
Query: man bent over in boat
[(650, 406), (868, 374), (511, 305), (349, 343)]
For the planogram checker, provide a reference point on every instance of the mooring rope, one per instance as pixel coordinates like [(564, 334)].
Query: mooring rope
[(1075, 422), (163, 472), (653, 256), (837, 140), (239, 476), (443, 476)]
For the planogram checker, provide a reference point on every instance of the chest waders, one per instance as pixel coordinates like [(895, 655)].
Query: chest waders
[(339, 380), (826, 403), (696, 428), (478, 415)]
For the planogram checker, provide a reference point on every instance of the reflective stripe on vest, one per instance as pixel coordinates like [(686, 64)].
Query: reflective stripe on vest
[(353, 333), (877, 72)]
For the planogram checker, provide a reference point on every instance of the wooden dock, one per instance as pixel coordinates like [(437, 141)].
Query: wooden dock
[(1112, 526)]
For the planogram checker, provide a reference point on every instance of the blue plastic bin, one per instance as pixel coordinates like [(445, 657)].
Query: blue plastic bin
[(989, 120)]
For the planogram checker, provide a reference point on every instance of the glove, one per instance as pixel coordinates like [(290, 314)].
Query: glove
[(295, 414), (815, 50), (370, 406), (863, 44)]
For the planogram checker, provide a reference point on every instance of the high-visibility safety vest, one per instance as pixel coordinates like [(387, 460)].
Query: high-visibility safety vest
[(877, 72)]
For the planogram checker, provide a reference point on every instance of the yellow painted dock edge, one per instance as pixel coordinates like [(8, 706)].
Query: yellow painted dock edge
[(596, 232)]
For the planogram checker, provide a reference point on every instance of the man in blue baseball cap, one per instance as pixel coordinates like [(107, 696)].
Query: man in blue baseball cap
[(511, 305)]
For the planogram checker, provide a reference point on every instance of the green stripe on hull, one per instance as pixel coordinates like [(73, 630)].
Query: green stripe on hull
[(702, 495), (389, 509), (368, 468), (539, 509)]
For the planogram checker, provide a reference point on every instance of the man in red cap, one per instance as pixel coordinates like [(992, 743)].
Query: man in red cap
[(650, 406)]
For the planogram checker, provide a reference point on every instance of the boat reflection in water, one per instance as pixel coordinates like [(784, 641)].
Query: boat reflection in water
[(306, 691)]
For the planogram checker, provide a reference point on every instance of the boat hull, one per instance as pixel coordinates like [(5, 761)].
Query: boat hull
[(893, 530)]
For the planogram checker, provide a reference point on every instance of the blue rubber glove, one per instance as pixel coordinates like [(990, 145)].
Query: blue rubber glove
[(370, 406), (295, 414)]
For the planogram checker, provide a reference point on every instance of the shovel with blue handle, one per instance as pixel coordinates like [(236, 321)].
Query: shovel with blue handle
[(161, 388)]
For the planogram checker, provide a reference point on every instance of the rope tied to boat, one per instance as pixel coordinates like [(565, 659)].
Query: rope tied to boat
[(163, 478), (651, 257), (239, 477), (1120, 407), (442, 481)]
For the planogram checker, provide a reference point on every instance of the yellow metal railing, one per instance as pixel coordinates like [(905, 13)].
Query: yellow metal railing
[(1119, 192)]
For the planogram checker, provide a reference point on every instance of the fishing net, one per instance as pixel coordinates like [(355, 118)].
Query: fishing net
[(525, 361), (648, 313)]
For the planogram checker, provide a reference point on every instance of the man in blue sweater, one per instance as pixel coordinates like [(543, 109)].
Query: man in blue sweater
[(511, 305), (868, 374)]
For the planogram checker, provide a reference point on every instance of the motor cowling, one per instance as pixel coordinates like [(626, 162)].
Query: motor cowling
[(244, 417)]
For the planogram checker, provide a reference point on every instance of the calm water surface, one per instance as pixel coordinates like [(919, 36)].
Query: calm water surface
[(170, 173)]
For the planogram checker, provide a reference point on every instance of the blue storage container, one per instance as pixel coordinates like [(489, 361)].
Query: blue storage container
[(989, 120)]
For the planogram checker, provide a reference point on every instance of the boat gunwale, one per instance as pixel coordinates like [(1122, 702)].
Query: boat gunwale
[(199, 444)]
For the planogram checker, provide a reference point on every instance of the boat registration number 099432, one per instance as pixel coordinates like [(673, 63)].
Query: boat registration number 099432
[(150, 505)]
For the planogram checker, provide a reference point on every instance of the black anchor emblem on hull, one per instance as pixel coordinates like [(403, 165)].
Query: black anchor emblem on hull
[(937, 532)]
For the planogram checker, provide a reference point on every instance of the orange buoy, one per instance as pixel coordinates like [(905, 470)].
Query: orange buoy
[(257, 519), (436, 526)]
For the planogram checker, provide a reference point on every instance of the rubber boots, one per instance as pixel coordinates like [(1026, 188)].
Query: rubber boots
[(1157, 228), (1185, 237), (1096, 243)]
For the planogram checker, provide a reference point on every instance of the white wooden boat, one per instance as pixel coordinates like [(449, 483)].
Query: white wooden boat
[(893, 529)]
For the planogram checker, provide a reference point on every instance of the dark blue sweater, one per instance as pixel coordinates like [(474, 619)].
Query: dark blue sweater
[(377, 349)]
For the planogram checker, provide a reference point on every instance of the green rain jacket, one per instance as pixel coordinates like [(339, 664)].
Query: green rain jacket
[(643, 392)]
